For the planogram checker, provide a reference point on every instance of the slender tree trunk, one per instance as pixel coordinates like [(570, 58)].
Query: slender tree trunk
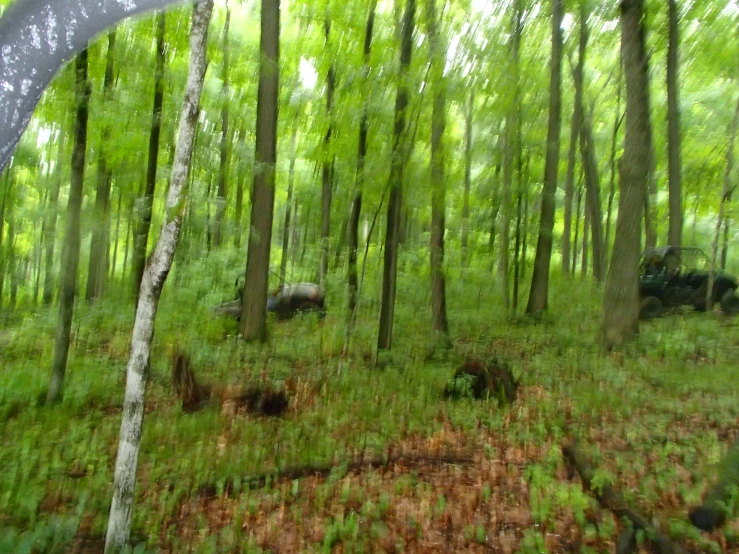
[(577, 228), (117, 230), (438, 176), (223, 168), (674, 162), (3, 210), (288, 205), (341, 240), (467, 173), (585, 241), (327, 166), (356, 210), (539, 295), (517, 248), (239, 204), (397, 168), (509, 146), (142, 229), (97, 269), (725, 248), (725, 197), (71, 251), (152, 282), (567, 254), (353, 230), (50, 229), (294, 235), (618, 118), (128, 236), (621, 300), (253, 315), (590, 165), (208, 224)]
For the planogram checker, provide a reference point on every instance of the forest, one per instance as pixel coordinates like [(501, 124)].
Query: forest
[(369, 276)]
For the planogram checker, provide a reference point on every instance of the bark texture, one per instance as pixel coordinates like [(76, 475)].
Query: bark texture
[(256, 280), (621, 301), (438, 178), (153, 279), (141, 238), (397, 168), (538, 297)]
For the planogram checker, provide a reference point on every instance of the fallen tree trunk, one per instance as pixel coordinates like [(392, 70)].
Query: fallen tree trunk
[(229, 486), (610, 498)]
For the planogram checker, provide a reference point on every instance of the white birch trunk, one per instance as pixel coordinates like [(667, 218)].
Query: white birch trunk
[(155, 274)]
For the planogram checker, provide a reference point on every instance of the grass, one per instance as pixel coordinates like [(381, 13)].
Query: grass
[(656, 416)]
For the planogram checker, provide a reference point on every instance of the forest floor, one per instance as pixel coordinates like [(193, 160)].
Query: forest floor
[(440, 475)]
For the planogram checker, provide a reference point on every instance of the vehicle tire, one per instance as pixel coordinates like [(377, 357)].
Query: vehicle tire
[(650, 307), (730, 302)]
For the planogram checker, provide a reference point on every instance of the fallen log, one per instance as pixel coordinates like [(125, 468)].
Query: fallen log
[(610, 498), (289, 473)]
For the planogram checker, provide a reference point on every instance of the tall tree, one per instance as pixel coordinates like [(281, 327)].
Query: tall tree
[(587, 150), (50, 226), (141, 237), (617, 120), (674, 161), (327, 169), (152, 282), (438, 53), (239, 204), (397, 168), (256, 281), (538, 297), (621, 299), (467, 174), (71, 251), (356, 210), (97, 270), (288, 204), (509, 147), (225, 139), (567, 249)]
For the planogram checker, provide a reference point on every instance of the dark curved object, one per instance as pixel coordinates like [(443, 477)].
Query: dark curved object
[(37, 37)]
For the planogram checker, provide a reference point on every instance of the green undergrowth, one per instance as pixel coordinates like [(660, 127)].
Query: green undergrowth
[(656, 416)]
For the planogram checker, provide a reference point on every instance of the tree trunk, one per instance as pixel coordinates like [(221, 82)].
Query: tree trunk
[(223, 168), (152, 282), (50, 228), (3, 210), (621, 299), (577, 228), (239, 204), (438, 177), (117, 230), (467, 173), (590, 165), (341, 240), (141, 237), (327, 166), (585, 241), (567, 254), (517, 248), (618, 118), (71, 251), (256, 281), (725, 197), (129, 222), (288, 206), (353, 230), (674, 162), (509, 146), (397, 168), (725, 248), (538, 297), (97, 270)]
